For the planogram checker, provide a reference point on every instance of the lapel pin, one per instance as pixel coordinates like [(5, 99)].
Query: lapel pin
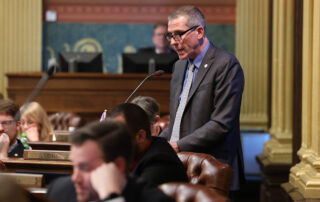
[(206, 65)]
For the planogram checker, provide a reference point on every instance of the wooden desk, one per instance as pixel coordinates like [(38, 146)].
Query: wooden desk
[(87, 94), (40, 166), (25, 180), (61, 146), (60, 136)]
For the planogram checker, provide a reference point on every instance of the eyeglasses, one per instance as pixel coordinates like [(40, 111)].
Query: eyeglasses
[(6, 123), (177, 36), (27, 123)]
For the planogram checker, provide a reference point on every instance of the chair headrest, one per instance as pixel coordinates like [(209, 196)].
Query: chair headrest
[(206, 170), (182, 192)]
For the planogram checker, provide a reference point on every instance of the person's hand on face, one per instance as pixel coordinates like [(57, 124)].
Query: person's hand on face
[(85, 158), (4, 145), (9, 127), (30, 128), (32, 133), (107, 179)]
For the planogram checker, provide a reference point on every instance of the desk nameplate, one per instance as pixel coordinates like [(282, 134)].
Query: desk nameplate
[(46, 155)]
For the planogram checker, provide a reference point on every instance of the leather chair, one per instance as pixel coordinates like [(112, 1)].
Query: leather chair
[(206, 170), (186, 192), (65, 121)]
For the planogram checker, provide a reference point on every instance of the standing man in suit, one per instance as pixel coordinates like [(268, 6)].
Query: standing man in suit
[(204, 109)]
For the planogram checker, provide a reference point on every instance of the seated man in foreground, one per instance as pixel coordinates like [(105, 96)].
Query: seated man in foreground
[(155, 162), (10, 146), (101, 155)]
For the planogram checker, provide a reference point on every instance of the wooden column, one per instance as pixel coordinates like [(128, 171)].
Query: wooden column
[(279, 149), (20, 37), (252, 51), (305, 176), (276, 159)]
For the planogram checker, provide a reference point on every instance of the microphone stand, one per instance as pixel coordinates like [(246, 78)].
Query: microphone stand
[(38, 88), (137, 88), (157, 73)]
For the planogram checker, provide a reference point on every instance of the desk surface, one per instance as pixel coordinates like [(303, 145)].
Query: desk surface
[(19, 164), (61, 146)]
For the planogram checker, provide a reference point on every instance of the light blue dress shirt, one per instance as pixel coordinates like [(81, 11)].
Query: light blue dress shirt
[(197, 62)]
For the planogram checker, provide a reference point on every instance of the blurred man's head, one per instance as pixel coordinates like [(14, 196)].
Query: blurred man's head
[(9, 119), (137, 121), (94, 144), (159, 38)]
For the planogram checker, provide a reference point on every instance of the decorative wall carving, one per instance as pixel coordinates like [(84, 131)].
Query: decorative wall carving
[(134, 12)]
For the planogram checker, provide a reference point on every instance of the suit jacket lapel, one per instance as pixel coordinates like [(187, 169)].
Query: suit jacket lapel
[(206, 64)]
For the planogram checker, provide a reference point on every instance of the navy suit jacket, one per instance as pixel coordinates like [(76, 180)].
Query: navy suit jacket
[(159, 164), (210, 123)]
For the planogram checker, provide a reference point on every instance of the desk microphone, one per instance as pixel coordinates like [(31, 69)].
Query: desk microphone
[(50, 71), (156, 73)]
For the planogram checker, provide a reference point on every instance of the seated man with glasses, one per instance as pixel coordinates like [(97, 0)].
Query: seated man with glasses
[(10, 146), (161, 45)]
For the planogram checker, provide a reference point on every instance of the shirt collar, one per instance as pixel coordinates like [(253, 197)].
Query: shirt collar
[(133, 164), (198, 60), (14, 145)]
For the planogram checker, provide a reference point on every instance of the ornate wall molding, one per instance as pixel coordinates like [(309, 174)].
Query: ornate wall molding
[(99, 12)]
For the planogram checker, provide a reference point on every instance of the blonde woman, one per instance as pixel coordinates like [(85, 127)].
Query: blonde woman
[(35, 122)]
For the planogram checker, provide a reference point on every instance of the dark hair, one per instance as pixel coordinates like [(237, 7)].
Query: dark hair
[(8, 107), (113, 138), (160, 24), (193, 14), (149, 105), (136, 118)]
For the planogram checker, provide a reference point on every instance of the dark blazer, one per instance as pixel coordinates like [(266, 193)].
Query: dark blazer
[(210, 123), (135, 192), (17, 152), (62, 190), (159, 164)]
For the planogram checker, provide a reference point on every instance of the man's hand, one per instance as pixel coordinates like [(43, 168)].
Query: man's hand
[(4, 145), (175, 146), (107, 179)]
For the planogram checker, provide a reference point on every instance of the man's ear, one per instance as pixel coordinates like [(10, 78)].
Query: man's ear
[(121, 164), (18, 125), (200, 31), (141, 136)]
